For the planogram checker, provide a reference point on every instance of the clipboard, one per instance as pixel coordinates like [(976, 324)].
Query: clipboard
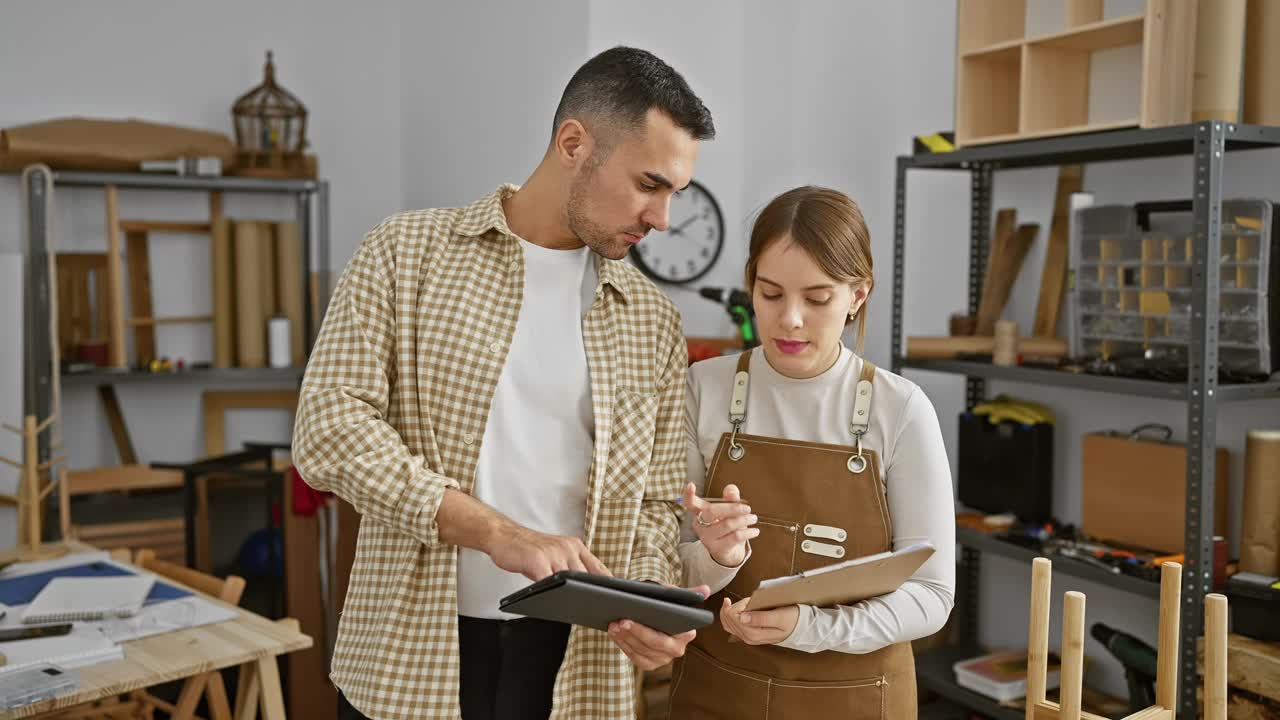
[(843, 583), (594, 601)]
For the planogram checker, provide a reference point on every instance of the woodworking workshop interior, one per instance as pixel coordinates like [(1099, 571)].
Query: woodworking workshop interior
[(679, 360)]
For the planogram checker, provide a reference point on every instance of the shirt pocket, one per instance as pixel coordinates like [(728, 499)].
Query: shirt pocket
[(631, 443)]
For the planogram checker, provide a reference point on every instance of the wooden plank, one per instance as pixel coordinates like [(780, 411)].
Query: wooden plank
[(1253, 666), (1168, 62), (163, 226), (289, 287), (224, 312), (117, 355), (311, 695), (1262, 63), (1015, 252), (949, 346), (1095, 35), (219, 708), (124, 477), (1053, 277), (115, 420), (272, 701), (144, 336), (267, 271), (1219, 61), (1006, 220), (251, 320), (149, 322)]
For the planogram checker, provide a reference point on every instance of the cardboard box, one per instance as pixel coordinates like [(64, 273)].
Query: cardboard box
[(1135, 491)]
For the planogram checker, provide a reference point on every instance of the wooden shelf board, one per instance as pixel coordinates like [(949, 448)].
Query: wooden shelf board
[(1007, 51), (1071, 130), (1096, 36)]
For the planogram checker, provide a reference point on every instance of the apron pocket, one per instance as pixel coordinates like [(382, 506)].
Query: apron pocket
[(704, 688), (847, 699), (773, 554)]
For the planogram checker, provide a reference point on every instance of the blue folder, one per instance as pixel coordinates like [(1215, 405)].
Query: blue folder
[(23, 589)]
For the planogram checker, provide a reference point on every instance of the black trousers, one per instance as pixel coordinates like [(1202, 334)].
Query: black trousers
[(508, 669)]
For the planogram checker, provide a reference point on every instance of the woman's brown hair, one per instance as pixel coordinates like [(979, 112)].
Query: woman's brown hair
[(826, 224)]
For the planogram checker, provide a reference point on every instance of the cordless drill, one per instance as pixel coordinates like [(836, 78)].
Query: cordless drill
[(1138, 659), (738, 303)]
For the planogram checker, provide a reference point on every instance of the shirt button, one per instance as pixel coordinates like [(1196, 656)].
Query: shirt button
[(495, 347), (469, 439)]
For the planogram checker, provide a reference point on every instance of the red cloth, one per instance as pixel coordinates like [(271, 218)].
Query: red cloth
[(306, 499)]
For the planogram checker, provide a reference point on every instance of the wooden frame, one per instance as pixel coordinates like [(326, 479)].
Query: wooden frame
[(215, 404), (166, 536), (141, 317), (1012, 87)]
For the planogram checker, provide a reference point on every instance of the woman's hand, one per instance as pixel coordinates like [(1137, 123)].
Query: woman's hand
[(759, 627), (723, 528)]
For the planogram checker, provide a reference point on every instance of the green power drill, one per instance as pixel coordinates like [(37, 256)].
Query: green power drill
[(738, 303), (1138, 659)]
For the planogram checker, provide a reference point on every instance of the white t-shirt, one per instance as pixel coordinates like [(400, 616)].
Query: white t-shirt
[(903, 429), (540, 436)]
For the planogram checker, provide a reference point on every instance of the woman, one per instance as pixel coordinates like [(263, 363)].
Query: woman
[(832, 458)]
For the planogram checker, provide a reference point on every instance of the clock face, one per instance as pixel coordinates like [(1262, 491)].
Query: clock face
[(690, 245)]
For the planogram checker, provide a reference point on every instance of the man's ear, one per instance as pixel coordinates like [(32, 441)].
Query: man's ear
[(572, 143)]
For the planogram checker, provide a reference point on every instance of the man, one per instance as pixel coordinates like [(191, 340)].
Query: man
[(501, 397)]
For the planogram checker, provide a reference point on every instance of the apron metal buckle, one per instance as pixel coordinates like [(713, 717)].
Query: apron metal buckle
[(736, 451), (857, 463)]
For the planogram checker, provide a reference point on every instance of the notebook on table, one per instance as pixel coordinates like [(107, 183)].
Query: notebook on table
[(22, 589), (85, 645), (67, 599)]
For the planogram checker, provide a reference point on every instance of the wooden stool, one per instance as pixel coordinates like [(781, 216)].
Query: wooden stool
[(1072, 685)]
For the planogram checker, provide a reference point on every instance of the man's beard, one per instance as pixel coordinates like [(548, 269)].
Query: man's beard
[(592, 234)]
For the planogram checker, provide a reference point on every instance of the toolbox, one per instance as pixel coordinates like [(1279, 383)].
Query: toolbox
[(1255, 605)]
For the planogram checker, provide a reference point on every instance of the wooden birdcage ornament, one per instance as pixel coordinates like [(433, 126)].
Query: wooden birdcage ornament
[(271, 129)]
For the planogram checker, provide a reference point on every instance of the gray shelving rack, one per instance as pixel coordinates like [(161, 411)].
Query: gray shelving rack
[(1207, 143), (312, 214)]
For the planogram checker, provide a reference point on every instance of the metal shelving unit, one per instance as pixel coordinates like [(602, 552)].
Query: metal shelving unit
[(312, 214), (101, 376), (1207, 143)]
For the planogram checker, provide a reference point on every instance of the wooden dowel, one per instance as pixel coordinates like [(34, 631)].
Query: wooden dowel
[(1072, 677), (1167, 649), (1215, 657), (1038, 633)]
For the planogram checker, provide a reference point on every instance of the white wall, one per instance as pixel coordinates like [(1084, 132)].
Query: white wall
[(703, 42), (479, 86), (186, 63)]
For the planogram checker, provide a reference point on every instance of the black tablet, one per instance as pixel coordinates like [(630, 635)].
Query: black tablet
[(594, 601)]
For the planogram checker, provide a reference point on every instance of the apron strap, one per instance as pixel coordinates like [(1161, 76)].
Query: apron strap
[(858, 423), (738, 401), (861, 418)]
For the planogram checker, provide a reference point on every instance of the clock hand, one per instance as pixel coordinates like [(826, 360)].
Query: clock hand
[(677, 229)]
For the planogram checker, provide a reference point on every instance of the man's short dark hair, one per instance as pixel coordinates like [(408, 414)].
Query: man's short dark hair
[(619, 86)]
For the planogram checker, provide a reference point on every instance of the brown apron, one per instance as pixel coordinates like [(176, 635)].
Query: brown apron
[(817, 504)]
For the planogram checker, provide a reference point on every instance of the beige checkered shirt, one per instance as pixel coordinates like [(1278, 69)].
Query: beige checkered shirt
[(392, 411)]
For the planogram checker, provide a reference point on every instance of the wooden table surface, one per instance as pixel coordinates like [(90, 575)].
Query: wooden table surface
[(249, 640)]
